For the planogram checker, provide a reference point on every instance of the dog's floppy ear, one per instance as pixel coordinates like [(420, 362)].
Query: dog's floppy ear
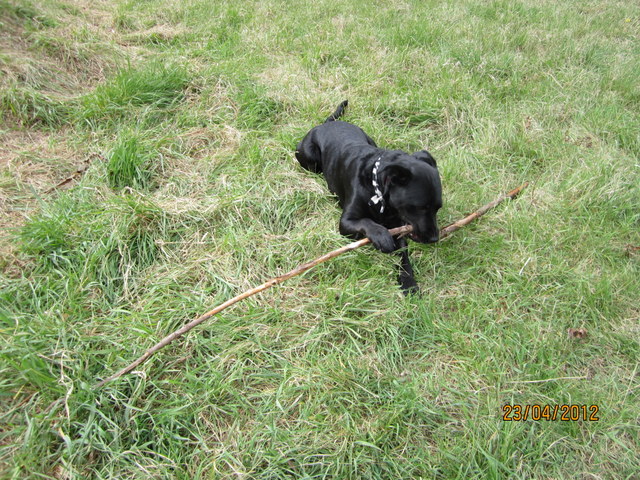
[(397, 175), (426, 157)]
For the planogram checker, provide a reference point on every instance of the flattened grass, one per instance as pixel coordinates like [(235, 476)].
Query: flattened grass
[(190, 113)]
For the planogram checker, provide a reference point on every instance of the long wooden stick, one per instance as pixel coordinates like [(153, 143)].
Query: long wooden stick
[(448, 230), (445, 232)]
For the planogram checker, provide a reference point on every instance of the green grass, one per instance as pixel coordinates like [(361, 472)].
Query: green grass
[(187, 115), (128, 163)]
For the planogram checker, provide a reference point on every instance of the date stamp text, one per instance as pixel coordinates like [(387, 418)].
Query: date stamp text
[(562, 413)]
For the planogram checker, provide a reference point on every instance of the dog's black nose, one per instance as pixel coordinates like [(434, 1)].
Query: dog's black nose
[(433, 238)]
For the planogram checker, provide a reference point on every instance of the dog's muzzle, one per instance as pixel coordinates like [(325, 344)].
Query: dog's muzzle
[(416, 237)]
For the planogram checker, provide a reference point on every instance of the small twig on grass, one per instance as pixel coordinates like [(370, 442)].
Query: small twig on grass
[(79, 171), (545, 380), (445, 232)]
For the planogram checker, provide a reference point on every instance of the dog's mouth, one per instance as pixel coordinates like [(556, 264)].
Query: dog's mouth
[(413, 235)]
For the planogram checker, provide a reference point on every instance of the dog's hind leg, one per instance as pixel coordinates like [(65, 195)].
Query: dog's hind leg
[(308, 154)]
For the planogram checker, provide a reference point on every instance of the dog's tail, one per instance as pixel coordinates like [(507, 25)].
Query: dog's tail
[(338, 113)]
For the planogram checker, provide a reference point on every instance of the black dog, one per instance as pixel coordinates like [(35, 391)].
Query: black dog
[(377, 189)]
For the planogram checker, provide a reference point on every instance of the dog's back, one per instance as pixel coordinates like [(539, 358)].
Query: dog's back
[(313, 150)]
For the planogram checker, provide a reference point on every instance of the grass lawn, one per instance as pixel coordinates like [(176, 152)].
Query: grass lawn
[(147, 174)]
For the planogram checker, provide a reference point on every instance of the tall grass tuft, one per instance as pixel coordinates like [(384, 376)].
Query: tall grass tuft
[(93, 244), (32, 108), (154, 84), (129, 162)]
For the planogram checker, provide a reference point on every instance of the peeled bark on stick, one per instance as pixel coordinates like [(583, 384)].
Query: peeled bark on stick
[(445, 232)]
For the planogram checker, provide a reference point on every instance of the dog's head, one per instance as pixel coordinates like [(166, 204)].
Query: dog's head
[(412, 188)]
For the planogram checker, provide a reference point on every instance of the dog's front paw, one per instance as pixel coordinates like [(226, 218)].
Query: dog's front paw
[(382, 240), (408, 285)]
